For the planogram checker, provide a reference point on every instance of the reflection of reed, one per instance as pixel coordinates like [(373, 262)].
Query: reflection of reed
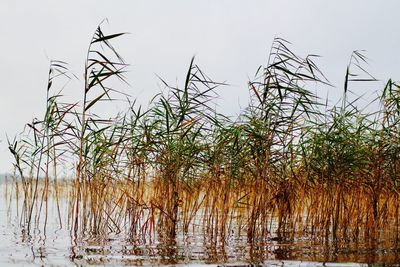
[(204, 240)]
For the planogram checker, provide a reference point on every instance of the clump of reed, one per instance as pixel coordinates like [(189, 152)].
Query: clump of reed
[(288, 166)]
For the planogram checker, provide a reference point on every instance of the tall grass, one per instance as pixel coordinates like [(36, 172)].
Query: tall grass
[(288, 166)]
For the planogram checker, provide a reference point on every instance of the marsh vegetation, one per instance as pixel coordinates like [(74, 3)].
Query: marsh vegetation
[(289, 167)]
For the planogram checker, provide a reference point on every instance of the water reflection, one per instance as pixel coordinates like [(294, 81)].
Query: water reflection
[(56, 247)]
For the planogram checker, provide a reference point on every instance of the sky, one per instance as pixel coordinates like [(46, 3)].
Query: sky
[(229, 38)]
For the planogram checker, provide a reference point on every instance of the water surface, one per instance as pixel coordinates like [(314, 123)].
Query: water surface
[(54, 246)]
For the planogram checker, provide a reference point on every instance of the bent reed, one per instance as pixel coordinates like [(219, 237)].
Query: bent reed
[(288, 166)]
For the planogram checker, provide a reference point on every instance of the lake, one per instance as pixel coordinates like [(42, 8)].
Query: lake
[(55, 246)]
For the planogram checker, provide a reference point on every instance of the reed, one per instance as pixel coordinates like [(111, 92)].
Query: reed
[(288, 166)]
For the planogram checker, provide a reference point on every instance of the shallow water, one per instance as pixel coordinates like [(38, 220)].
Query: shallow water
[(56, 247)]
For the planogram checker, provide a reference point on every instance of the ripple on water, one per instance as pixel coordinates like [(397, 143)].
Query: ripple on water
[(56, 248)]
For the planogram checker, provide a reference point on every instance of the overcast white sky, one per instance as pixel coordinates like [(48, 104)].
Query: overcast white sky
[(229, 38)]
